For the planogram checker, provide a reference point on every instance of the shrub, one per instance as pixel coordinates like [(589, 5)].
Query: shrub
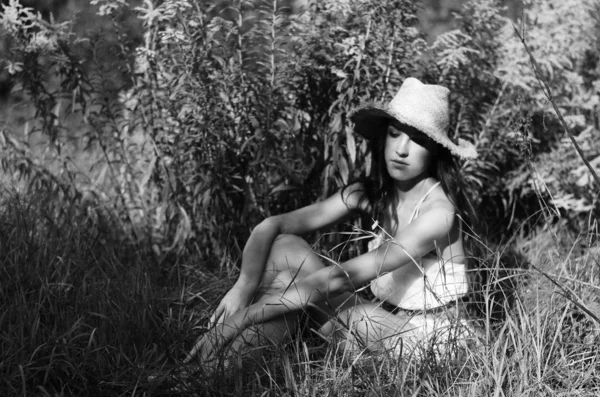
[(236, 111)]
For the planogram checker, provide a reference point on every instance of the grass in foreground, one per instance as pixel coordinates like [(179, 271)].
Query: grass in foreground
[(82, 313)]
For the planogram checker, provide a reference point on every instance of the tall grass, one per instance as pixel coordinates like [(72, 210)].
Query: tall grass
[(546, 345), (81, 313), (85, 314), (98, 295)]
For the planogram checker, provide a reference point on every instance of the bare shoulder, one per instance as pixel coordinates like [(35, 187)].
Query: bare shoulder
[(439, 204)]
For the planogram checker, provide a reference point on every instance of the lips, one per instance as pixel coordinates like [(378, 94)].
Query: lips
[(399, 162)]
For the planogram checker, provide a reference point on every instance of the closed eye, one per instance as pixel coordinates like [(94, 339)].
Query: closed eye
[(416, 136), (394, 132)]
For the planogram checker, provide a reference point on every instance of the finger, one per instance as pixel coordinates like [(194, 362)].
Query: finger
[(216, 315), (189, 357), (220, 319), (197, 347)]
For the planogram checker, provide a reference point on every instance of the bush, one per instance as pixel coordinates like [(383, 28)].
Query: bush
[(134, 164), (237, 111)]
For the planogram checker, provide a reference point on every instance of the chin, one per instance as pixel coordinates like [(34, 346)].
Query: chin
[(401, 176), (404, 176)]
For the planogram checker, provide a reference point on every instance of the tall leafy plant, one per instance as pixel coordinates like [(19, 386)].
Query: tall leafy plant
[(237, 111), (230, 154), (562, 38), (258, 100)]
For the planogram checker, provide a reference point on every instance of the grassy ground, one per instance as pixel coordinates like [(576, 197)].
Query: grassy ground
[(82, 313)]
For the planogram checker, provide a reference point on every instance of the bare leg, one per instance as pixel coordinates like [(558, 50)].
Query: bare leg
[(291, 258), (368, 327)]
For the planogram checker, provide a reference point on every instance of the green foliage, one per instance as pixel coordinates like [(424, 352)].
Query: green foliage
[(76, 304), (273, 83), (465, 60), (84, 315), (500, 106), (213, 117), (217, 102), (237, 111), (562, 37), (372, 49), (230, 116)]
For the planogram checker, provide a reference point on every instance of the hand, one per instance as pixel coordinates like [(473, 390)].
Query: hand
[(213, 341), (205, 346), (234, 300)]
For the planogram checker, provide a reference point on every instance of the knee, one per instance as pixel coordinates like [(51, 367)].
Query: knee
[(290, 246), (360, 328), (283, 279), (293, 252), (340, 333), (338, 324), (290, 241)]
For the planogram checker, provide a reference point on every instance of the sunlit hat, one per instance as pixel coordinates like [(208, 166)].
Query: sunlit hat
[(422, 106)]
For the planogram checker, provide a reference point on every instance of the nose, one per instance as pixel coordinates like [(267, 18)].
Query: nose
[(403, 145)]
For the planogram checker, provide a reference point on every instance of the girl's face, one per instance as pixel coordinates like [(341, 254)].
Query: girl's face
[(408, 152)]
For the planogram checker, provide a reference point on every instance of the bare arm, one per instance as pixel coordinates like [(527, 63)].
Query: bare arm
[(257, 248), (420, 237)]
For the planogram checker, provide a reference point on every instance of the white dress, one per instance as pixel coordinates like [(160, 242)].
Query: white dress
[(432, 283)]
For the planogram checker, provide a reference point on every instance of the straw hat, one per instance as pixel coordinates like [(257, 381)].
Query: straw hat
[(422, 106)]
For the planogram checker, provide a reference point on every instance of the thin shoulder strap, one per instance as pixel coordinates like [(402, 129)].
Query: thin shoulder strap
[(415, 212)]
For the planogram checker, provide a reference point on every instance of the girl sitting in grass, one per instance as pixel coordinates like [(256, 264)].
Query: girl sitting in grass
[(416, 266)]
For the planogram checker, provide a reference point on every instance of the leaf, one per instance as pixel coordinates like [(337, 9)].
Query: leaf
[(282, 187), (336, 123), (339, 73), (350, 144), (344, 170), (14, 67), (224, 96)]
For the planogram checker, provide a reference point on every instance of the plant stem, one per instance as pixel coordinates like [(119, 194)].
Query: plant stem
[(548, 94)]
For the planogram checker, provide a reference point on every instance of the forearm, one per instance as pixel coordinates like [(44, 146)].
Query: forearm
[(297, 296), (255, 254), (325, 283)]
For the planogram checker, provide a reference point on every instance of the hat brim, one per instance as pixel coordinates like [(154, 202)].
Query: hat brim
[(369, 120)]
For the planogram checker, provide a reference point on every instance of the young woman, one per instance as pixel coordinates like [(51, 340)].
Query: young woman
[(415, 266)]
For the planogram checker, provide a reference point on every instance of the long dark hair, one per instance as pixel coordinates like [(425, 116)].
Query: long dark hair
[(378, 184), (378, 187), (446, 168)]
